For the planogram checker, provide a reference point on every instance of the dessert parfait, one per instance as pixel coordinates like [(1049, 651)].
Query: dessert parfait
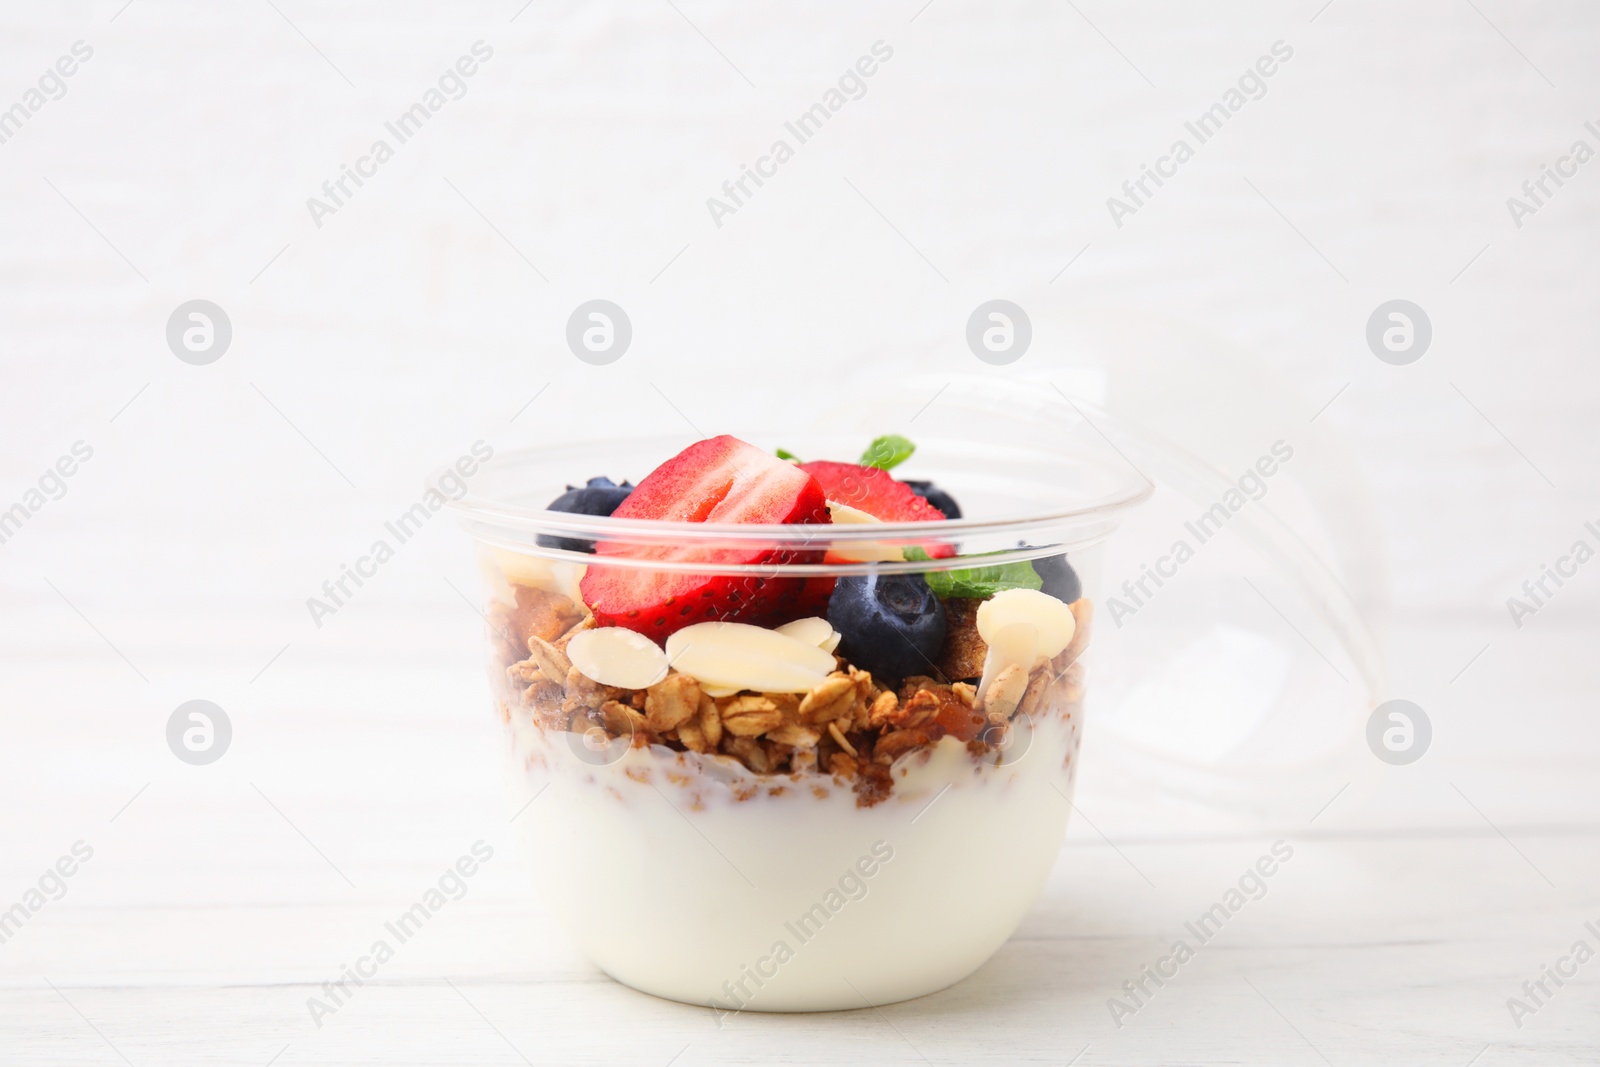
[(779, 742)]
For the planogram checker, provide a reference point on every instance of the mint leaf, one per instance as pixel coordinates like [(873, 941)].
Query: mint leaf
[(887, 452), (978, 583), (784, 453)]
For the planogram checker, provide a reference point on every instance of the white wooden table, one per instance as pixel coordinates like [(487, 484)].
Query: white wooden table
[(219, 898)]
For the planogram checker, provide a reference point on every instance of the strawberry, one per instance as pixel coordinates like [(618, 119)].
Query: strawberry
[(719, 480), (877, 493), (874, 491)]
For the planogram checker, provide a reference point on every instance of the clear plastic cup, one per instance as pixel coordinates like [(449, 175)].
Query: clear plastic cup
[(817, 849)]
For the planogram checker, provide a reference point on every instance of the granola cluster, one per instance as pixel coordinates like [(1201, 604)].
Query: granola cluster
[(849, 725)]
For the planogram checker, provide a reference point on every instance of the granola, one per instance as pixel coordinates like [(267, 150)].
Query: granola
[(848, 726)]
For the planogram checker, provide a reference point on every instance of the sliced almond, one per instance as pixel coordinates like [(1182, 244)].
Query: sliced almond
[(1012, 645), (617, 657), (557, 576), (813, 631), (861, 551), (738, 655), (1051, 619), (845, 515)]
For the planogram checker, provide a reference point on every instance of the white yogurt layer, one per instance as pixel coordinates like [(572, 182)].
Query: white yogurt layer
[(694, 879)]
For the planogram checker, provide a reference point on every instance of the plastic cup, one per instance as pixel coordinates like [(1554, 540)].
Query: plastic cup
[(765, 872)]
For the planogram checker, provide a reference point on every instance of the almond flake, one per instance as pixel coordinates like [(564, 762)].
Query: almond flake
[(617, 657), (1013, 645), (860, 551), (723, 654), (813, 631), (1052, 620), (535, 572)]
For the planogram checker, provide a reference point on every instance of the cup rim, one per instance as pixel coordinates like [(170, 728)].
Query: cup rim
[(477, 510)]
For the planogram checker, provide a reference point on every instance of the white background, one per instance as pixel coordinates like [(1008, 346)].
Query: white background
[(427, 312)]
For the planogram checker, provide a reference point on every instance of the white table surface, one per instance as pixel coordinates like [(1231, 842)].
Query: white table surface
[(205, 919), (374, 348)]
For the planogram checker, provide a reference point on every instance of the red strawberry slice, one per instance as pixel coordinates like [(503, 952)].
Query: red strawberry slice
[(879, 494), (721, 480), (869, 489)]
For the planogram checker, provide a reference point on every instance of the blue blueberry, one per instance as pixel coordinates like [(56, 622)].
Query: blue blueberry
[(600, 496), (1060, 580), (937, 497), (891, 625)]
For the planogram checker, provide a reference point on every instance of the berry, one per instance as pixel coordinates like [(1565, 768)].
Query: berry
[(720, 480), (871, 490), (810, 600), (1059, 579), (891, 625), (877, 493), (937, 497), (601, 496)]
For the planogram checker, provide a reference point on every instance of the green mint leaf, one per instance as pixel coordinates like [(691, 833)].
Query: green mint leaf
[(887, 452), (784, 453), (978, 583)]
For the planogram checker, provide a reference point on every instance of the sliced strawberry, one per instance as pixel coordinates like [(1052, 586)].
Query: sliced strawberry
[(879, 494), (720, 480), (811, 599), (802, 598)]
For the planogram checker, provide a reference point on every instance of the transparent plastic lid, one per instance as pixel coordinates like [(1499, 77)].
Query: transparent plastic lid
[(1239, 662)]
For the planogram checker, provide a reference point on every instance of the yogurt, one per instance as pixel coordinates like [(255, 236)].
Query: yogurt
[(692, 878)]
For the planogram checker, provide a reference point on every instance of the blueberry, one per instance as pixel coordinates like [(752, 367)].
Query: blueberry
[(938, 498), (1060, 580), (601, 496), (891, 625)]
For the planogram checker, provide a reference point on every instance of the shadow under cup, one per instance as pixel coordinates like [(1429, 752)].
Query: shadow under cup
[(868, 850)]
